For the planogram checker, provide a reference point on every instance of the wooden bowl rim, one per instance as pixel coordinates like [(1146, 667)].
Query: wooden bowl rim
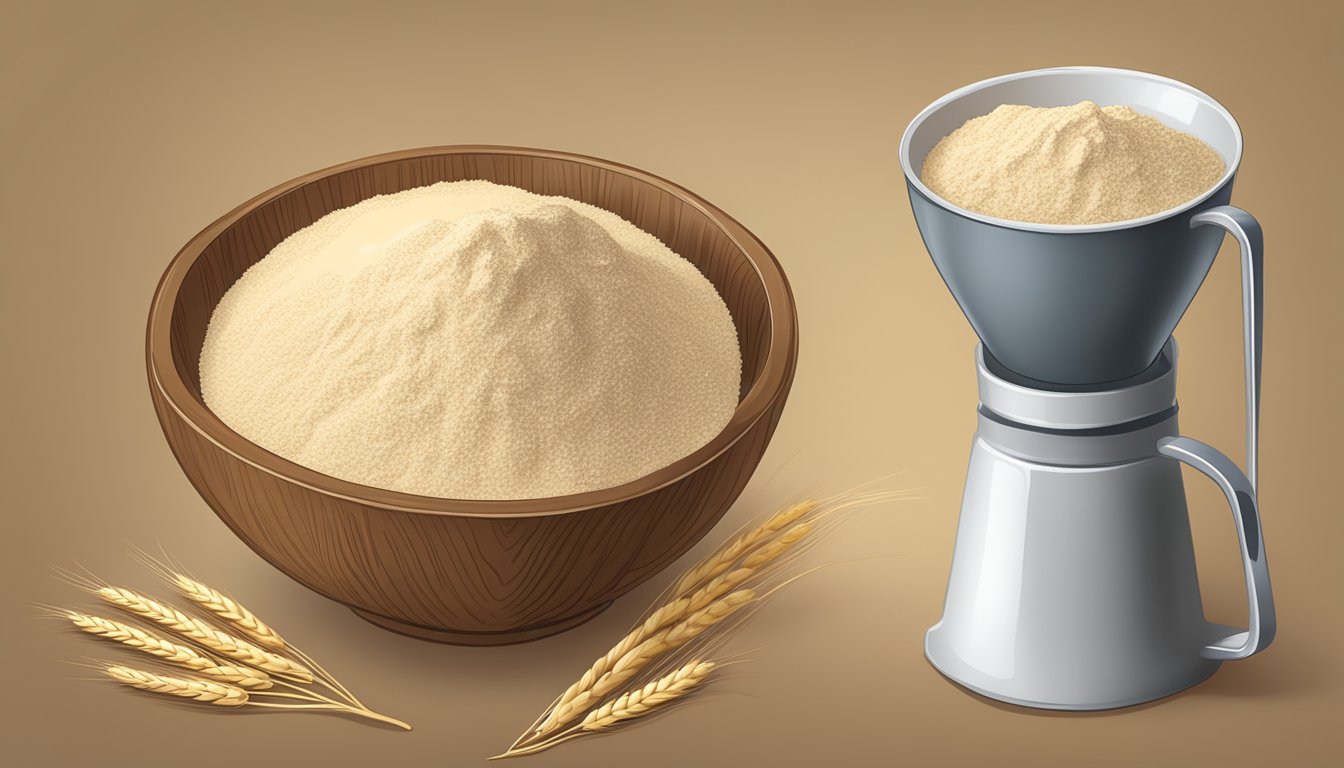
[(772, 382)]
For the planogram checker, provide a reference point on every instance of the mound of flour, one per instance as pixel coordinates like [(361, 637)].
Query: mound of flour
[(1081, 164), (475, 341)]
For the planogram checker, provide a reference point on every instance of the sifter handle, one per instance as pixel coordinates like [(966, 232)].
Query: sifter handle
[(1246, 229), (1260, 626)]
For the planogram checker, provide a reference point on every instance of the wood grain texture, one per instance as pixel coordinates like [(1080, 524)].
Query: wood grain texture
[(468, 571)]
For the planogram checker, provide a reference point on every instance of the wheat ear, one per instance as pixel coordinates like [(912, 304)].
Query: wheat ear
[(779, 546), (141, 640), (628, 706), (236, 615), (235, 674), (229, 610), (219, 694), (678, 609), (641, 701), (174, 653), (639, 657), (723, 558), (207, 636), (674, 611)]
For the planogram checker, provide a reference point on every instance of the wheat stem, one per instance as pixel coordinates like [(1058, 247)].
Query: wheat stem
[(312, 695), (325, 678), (336, 707), (533, 748)]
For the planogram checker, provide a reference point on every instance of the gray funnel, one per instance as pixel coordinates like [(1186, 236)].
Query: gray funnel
[(1073, 305)]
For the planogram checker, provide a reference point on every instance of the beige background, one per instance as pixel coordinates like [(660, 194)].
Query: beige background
[(127, 129)]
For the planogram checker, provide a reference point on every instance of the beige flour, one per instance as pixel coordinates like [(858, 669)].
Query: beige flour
[(1082, 164), (475, 341)]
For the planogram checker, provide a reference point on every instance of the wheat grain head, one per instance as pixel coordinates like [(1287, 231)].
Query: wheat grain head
[(657, 693), (229, 610), (141, 640), (218, 694), (639, 657), (208, 637), (723, 558)]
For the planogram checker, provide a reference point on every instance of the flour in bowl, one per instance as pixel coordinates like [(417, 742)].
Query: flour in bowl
[(474, 341)]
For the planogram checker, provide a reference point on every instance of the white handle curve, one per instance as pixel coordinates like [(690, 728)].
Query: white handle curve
[(1261, 622)]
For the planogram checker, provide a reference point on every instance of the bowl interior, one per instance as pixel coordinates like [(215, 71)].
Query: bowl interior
[(689, 226)]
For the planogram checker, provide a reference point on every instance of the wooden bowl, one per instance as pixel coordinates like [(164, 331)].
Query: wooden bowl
[(471, 572)]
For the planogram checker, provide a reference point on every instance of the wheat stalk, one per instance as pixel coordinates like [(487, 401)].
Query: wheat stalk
[(218, 694), (639, 657), (670, 613), (174, 653), (229, 671), (237, 616), (228, 695), (676, 610), (693, 605), (628, 706), (641, 701), (207, 636), (229, 610), (723, 558)]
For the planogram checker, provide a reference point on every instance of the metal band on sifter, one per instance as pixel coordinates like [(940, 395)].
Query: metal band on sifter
[(1040, 404)]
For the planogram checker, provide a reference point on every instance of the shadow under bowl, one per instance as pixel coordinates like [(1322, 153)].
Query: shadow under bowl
[(468, 571)]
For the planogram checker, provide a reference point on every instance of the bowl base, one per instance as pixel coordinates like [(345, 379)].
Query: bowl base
[(456, 637)]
